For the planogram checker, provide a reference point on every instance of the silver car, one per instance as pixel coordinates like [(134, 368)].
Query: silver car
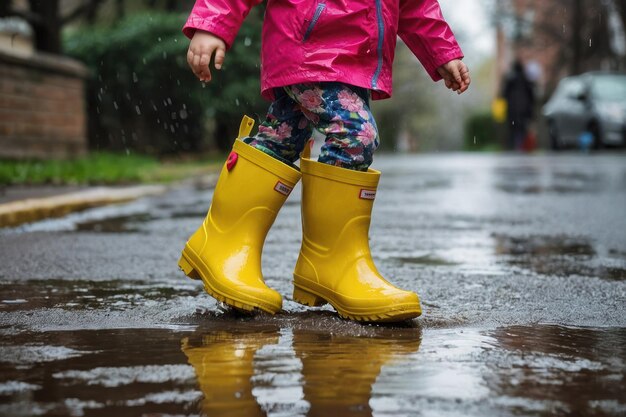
[(589, 107)]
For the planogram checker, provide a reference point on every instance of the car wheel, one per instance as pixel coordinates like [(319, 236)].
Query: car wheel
[(594, 129), (555, 140)]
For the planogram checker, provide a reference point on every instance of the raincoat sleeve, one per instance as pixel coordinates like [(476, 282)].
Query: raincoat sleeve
[(222, 18), (426, 33)]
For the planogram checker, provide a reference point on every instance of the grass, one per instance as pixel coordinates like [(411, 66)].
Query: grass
[(103, 168)]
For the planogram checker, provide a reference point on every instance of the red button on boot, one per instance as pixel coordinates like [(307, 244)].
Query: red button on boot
[(232, 160)]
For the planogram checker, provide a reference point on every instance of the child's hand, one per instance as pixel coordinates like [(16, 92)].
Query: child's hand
[(456, 75), (202, 46)]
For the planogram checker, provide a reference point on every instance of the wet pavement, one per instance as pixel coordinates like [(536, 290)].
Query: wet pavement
[(520, 263)]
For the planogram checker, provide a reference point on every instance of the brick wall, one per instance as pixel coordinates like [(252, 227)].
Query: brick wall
[(42, 107)]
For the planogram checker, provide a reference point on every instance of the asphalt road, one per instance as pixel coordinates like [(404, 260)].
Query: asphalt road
[(520, 262)]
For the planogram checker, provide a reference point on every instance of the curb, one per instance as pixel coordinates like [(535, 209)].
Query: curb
[(32, 209)]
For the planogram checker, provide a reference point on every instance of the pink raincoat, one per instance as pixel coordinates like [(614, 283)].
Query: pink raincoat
[(349, 41)]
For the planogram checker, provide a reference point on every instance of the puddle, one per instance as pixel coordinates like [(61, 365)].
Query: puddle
[(248, 367), (559, 256), (540, 180), (543, 245), (88, 295), (189, 215), (572, 371), (428, 260), (119, 224)]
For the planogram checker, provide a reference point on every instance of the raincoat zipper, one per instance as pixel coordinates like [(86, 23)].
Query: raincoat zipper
[(381, 35), (318, 12)]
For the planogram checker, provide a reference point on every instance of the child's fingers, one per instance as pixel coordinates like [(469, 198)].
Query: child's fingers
[(220, 54), (191, 60), (466, 78), (190, 56), (205, 72), (196, 62), (452, 85), (197, 67), (200, 62), (456, 75)]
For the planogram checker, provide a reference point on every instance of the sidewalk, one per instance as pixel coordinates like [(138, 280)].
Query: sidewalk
[(26, 204)]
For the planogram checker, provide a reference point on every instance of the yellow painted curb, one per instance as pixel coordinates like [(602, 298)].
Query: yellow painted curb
[(32, 209)]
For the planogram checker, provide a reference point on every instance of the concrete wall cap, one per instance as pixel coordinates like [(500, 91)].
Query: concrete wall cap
[(50, 62)]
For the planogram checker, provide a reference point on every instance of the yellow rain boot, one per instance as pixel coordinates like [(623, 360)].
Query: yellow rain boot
[(335, 264), (225, 252), (224, 365)]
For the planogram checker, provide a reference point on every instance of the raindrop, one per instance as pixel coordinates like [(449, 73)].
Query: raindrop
[(115, 105), (127, 151), (178, 82), (590, 42), (135, 79), (128, 96), (474, 140), (247, 41), (175, 40), (169, 101), (172, 129), (237, 102), (183, 114), (144, 61), (159, 39), (173, 115), (164, 55), (138, 110)]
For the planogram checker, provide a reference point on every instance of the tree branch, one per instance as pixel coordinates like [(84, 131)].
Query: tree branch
[(87, 7)]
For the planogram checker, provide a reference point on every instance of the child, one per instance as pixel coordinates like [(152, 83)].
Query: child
[(321, 62)]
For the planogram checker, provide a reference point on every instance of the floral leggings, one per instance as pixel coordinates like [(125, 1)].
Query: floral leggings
[(340, 111)]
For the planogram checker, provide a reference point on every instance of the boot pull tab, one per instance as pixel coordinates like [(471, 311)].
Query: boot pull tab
[(306, 152), (247, 123)]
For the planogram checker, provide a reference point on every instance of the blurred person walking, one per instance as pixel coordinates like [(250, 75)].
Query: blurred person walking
[(519, 93)]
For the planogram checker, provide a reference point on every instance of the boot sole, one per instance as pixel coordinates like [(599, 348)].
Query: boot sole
[(312, 298), (188, 264)]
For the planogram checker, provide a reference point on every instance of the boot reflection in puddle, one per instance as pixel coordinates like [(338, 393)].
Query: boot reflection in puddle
[(339, 371), (223, 362)]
